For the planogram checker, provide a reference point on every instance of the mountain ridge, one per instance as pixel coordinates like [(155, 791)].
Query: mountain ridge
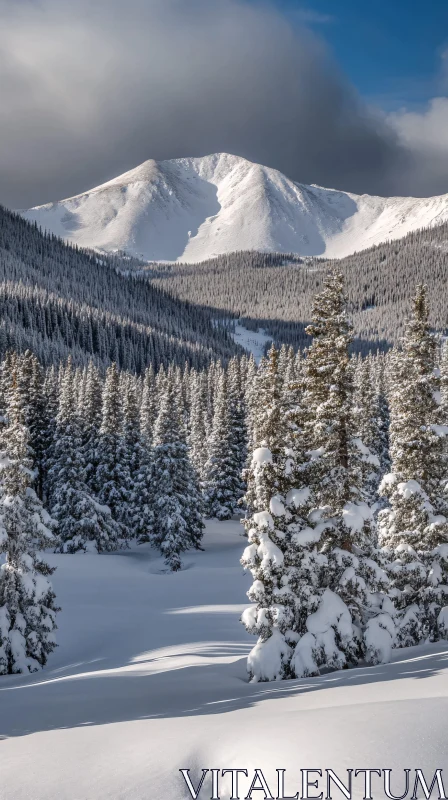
[(192, 209)]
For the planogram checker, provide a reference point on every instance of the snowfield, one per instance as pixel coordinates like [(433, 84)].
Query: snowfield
[(150, 677), (191, 209), (252, 341)]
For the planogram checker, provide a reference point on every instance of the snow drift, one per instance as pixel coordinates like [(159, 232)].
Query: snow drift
[(191, 209)]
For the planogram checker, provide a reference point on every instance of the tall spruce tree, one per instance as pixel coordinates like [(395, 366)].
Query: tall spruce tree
[(237, 410), (365, 466), (27, 601), (266, 523), (222, 484), (91, 415), (381, 384), (137, 464), (351, 618), (148, 407), (83, 523), (197, 436), (412, 530), (113, 477), (177, 503)]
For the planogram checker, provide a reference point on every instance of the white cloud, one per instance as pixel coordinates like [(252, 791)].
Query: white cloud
[(425, 135), (425, 130), (90, 89)]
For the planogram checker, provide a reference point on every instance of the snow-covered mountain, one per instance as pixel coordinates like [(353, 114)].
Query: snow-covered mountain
[(190, 209)]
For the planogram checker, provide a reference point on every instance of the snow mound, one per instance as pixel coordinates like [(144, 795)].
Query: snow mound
[(191, 209)]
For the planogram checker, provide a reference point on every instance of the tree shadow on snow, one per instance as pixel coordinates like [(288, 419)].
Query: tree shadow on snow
[(173, 683)]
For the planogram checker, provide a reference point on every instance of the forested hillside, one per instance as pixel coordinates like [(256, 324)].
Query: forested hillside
[(275, 292), (338, 463), (57, 300)]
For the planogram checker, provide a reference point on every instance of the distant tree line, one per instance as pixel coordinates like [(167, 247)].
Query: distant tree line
[(275, 292), (58, 301)]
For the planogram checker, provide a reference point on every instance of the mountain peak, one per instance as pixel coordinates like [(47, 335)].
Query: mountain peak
[(190, 209)]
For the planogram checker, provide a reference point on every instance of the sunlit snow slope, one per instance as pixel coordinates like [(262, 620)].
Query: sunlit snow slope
[(190, 209), (149, 677)]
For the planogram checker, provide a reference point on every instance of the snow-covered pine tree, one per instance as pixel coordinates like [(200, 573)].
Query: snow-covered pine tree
[(39, 420), (137, 464), (381, 386), (83, 523), (6, 369), (144, 477), (222, 483), (364, 462), (143, 517), (250, 399), (295, 413), (113, 478), (91, 415), (266, 523), (181, 398), (197, 436), (350, 616), (237, 410), (284, 356), (148, 407), (131, 425), (261, 388), (292, 376), (411, 529), (50, 391), (212, 384), (27, 601), (444, 377), (66, 441), (160, 384), (177, 502)]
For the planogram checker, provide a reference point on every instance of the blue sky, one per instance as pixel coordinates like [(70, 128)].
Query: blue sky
[(392, 50)]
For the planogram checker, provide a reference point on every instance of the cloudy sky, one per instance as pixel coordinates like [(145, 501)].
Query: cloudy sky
[(331, 93)]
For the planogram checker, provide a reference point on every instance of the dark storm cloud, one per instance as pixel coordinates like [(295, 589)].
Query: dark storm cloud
[(90, 89)]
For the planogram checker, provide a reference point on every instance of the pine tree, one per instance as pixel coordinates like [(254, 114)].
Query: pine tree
[(237, 411), (411, 529), (266, 524), (197, 437), (148, 408), (113, 478), (83, 523), (222, 484), (91, 415), (352, 617), (250, 388), (137, 464), (27, 601), (50, 392), (177, 503), (381, 385), (364, 462)]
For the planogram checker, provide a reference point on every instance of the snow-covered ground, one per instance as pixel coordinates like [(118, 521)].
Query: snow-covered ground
[(150, 678), (190, 209), (252, 341)]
